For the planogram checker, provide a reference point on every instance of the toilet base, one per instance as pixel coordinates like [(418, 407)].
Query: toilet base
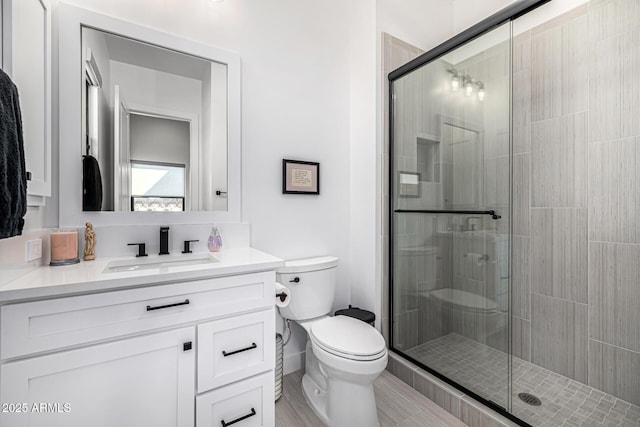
[(339, 390), (344, 402), (316, 398)]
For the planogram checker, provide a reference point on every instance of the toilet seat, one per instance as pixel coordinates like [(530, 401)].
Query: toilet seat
[(348, 338)]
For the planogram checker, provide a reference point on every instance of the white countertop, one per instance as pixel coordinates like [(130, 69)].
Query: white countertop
[(90, 276)]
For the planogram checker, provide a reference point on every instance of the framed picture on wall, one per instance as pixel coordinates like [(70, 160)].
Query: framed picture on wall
[(408, 184), (299, 177)]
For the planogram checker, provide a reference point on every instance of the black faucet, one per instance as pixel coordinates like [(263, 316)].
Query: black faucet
[(164, 240), (141, 248)]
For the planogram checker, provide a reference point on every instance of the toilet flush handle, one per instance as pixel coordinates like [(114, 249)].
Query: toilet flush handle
[(295, 280)]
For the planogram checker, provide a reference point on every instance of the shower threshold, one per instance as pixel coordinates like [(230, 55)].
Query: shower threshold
[(564, 402)]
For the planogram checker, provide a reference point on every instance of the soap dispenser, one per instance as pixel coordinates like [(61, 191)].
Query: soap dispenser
[(215, 240)]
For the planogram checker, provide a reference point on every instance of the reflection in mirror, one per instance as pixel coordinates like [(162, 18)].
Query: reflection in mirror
[(154, 126), (463, 157)]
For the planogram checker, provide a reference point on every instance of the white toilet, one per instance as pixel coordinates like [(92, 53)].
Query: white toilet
[(343, 355)]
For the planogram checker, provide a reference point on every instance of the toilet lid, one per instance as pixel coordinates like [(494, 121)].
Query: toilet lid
[(347, 336)]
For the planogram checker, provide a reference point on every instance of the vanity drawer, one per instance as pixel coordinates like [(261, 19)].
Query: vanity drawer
[(235, 348), (250, 402), (39, 326)]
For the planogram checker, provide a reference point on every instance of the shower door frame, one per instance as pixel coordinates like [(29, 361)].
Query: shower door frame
[(501, 17)]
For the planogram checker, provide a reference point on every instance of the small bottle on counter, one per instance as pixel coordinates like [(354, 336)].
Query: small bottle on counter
[(215, 240)]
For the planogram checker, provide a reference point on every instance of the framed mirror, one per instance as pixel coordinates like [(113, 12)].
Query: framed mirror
[(149, 125)]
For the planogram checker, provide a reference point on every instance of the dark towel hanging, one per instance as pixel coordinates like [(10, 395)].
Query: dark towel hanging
[(13, 174), (91, 184)]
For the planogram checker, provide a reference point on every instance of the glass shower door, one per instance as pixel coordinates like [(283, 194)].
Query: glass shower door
[(450, 175)]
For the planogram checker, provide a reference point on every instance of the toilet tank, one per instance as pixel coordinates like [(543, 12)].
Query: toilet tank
[(312, 283)]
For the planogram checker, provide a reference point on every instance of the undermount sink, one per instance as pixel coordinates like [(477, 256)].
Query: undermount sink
[(158, 262)]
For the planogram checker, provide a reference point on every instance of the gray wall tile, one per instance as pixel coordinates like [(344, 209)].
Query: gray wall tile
[(614, 294), (521, 338), (615, 370), (546, 60), (441, 393), (560, 68), (605, 90), (559, 336), (559, 162), (475, 415), (558, 256), (521, 111), (521, 51), (520, 277), (575, 63), (400, 368), (609, 18), (614, 187), (405, 330), (630, 102), (521, 194), (431, 319)]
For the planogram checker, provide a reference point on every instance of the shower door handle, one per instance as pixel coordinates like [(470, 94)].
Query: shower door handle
[(493, 213)]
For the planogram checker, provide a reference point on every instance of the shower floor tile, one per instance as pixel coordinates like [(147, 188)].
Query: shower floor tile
[(484, 370)]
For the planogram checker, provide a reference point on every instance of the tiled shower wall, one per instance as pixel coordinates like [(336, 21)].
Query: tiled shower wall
[(576, 171)]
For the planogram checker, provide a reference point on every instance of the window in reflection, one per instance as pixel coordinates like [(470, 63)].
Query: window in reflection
[(157, 187)]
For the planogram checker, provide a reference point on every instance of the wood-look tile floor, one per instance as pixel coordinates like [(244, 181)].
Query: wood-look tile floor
[(398, 405)]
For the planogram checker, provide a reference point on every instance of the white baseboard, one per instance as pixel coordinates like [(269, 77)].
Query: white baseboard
[(293, 362)]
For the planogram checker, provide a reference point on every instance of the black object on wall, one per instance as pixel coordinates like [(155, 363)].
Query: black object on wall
[(91, 184)]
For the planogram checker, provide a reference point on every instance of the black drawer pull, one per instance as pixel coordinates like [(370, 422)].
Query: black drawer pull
[(160, 307), (231, 353), (237, 420)]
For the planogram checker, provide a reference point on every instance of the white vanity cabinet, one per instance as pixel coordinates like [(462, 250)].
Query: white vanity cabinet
[(184, 354), (26, 58), (142, 381)]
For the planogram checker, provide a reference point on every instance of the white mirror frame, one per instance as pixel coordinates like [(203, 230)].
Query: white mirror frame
[(70, 112)]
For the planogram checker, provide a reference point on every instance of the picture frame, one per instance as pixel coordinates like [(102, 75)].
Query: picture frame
[(300, 177), (408, 184)]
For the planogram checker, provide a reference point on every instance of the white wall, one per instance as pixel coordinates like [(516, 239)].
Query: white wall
[(422, 23), (469, 12), (145, 87), (363, 156)]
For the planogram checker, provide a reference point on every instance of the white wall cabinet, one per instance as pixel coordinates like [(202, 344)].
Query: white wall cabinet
[(128, 358), (26, 58)]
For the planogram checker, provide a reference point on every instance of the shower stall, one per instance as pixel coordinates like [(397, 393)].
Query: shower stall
[(514, 212)]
